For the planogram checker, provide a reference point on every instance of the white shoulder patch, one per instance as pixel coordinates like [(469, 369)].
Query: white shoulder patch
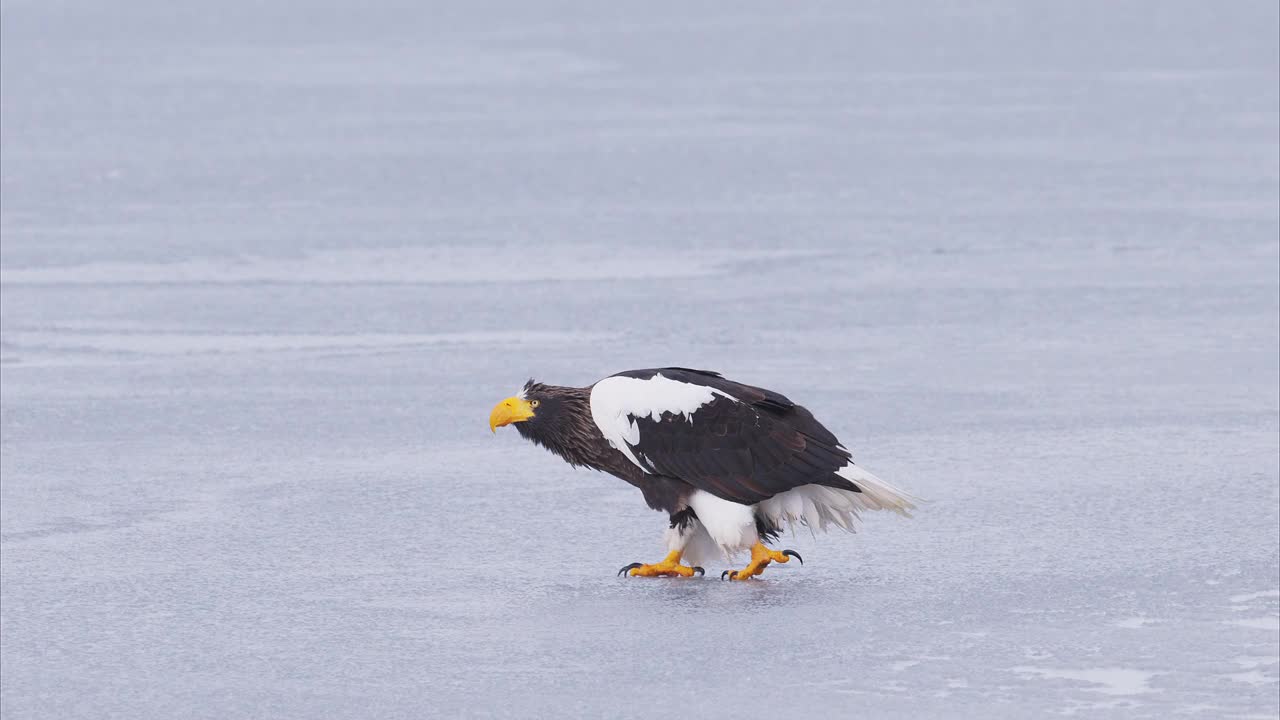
[(617, 402)]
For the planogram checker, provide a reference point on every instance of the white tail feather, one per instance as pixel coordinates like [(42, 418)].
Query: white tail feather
[(880, 495), (816, 506)]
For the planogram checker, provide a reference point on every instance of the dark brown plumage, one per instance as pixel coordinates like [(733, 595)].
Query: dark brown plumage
[(744, 448)]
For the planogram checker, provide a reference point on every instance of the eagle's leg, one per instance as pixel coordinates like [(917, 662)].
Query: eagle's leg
[(761, 556), (669, 566), (683, 525)]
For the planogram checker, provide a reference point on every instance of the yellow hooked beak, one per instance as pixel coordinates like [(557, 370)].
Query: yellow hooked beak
[(511, 410)]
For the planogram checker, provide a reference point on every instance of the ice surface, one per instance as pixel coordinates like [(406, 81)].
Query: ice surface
[(266, 268), (1109, 681)]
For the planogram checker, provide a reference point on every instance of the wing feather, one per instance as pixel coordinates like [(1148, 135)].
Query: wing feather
[(741, 443)]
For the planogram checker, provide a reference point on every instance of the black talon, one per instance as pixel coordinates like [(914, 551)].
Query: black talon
[(698, 569), (630, 567), (723, 574), (731, 573), (794, 554)]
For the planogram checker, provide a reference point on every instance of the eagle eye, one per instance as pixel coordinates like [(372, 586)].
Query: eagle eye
[(533, 403)]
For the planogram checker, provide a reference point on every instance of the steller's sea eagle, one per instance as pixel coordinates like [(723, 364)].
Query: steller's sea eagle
[(730, 463)]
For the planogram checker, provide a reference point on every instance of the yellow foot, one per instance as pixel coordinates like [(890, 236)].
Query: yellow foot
[(761, 556), (669, 566)]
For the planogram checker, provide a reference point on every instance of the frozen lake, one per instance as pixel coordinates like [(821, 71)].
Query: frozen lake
[(266, 269)]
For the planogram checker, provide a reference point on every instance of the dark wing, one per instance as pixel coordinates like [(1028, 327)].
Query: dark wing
[(738, 442)]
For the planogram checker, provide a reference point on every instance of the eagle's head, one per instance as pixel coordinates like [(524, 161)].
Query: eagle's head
[(558, 418)]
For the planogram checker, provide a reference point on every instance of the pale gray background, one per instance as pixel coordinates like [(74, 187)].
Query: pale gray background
[(267, 266)]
